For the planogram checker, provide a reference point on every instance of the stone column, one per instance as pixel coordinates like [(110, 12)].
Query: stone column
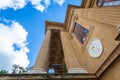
[(71, 61), (41, 64)]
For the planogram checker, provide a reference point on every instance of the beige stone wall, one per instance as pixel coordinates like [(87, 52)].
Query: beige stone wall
[(104, 23), (105, 15), (113, 72)]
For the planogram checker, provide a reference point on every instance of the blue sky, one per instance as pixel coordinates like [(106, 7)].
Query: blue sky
[(22, 28)]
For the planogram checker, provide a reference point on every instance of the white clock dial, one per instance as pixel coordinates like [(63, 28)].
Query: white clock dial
[(95, 48)]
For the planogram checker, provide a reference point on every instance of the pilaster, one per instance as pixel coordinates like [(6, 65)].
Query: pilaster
[(41, 64), (71, 61)]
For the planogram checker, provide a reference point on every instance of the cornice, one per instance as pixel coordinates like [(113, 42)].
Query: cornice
[(39, 76), (85, 3), (107, 63), (49, 24), (70, 11)]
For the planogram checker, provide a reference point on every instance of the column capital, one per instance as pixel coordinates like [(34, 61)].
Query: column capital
[(49, 29)]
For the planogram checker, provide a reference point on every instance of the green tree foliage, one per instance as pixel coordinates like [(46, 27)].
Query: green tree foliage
[(3, 72), (18, 69), (65, 69), (15, 69)]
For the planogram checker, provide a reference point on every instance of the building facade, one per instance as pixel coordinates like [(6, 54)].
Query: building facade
[(87, 42)]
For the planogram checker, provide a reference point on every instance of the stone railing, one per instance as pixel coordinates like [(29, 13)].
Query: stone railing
[(48, 76)]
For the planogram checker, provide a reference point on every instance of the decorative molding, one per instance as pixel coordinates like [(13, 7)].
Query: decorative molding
[(118, 28), (115, 54), (77, 70), (37, 71), (72, 23), (76, 17), (87, 38), (69, 13), (49, 24)]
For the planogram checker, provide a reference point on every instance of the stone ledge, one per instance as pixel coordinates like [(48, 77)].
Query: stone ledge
[(77, 70), (82, 76), (37, 71)]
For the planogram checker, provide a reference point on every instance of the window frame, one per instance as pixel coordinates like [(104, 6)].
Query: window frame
[(79, 34), (102, 4)]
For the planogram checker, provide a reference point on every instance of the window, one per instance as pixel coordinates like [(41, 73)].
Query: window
[(108, 2), (80, 32)]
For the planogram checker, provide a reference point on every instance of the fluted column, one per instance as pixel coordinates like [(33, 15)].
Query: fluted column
[(41, 64), (71, 61)]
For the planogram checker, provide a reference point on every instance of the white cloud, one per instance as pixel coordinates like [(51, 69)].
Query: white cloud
[(15, 4), (47, 3), (37, 5), (60, 2), (40, 5), (13, 42)]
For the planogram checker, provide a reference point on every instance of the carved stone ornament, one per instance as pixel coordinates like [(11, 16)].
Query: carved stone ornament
[(95, 48)]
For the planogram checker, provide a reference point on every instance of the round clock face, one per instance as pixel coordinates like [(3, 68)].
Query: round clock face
[(95, 48)]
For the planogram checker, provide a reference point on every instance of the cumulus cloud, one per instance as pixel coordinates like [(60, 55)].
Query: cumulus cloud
[(13, 45), (37, 5), (60, 2), (40, 5), (15, 4)]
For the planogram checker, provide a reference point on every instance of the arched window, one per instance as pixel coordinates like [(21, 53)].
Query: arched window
[(108, 2)]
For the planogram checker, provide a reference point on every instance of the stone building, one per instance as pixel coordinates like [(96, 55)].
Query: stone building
[(87, 42)]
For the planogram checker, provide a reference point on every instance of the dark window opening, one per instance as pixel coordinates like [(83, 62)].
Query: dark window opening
[(118, 37), (56, 56), (80, 32)]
